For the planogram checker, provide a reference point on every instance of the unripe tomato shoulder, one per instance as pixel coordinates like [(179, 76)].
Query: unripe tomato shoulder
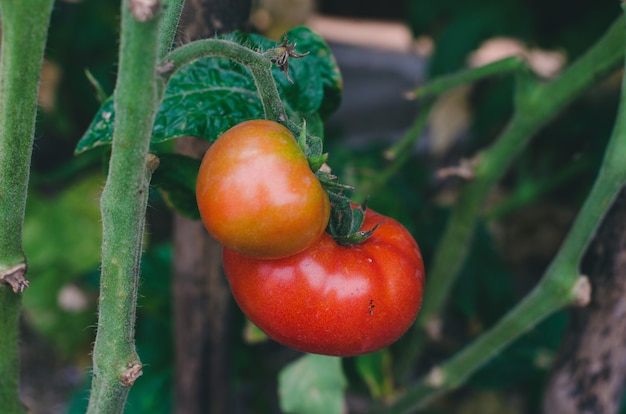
[(257, 194)]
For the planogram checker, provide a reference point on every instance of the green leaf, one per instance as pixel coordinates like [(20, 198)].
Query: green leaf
[(176, 179), (210, 95), (312, 384), (252, 334), (375, 369), (100, 131)]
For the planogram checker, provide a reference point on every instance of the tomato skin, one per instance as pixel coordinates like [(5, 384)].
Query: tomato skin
[(331, 299), (257, 194)]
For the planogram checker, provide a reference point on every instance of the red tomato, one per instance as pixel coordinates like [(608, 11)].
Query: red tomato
[(257, 194), (331, 299)]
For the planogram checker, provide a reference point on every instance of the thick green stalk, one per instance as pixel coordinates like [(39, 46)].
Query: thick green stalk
[(561, 284), (24, 29), (116, 364), (536, 105)]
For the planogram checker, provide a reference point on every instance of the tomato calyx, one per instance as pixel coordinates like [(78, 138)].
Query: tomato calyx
[(313, 149), (345, 220), (280, 56)]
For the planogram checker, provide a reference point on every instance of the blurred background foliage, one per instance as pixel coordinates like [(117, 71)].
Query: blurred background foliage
[(524, 223)]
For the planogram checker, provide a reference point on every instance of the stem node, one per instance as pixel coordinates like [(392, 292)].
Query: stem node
[(130, 375), (433, 328), (582, 292), (14, 277), (435, 378), (466, 169)]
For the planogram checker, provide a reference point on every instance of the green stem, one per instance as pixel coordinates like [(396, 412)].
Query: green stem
[(407, 142), (537, 104), (445, 83), (10, 305), (257, 63), (169, 25), (123, 205), (529, 191), (24, 29), (399, 154), (559, 286)]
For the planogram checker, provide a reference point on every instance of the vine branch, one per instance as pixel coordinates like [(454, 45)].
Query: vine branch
[(536, 105), (116, 364), (259, 65), (561, 283), (24, 28)]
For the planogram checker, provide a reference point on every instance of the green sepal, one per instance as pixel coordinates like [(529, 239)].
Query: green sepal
[(330, 182), (312, 147), (345, 221), (316, 162), (356, 238)]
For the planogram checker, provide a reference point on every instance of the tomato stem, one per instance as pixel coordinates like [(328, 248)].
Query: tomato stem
[(535, 107), (257, 63), (116, 364), (24, 27)]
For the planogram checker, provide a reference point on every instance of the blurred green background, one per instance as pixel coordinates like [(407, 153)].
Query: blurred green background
[(523, 226)]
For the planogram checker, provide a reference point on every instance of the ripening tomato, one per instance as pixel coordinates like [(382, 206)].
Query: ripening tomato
[(257, 194), (334, 300)]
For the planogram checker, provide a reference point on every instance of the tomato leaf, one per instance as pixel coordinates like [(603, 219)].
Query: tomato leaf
[(252, 334), (176, 179), (210, 95), (375, 369), (312, 384)]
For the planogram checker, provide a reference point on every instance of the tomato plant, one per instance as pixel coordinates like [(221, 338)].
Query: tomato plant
[(332, 299), (257, 194)]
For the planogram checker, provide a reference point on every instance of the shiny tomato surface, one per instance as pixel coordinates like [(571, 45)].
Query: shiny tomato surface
[(334, 300), (257, 194)]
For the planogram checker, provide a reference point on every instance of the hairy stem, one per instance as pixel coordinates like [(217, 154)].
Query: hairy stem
[(169, 26), (24, 29), (9, 359), (123, 205), (561, 283), (257, 63), (536, 105)]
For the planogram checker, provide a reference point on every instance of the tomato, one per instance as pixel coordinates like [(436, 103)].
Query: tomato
[(257, 194), (331, 299)]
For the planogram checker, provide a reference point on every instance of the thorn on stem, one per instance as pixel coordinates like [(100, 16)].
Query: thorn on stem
[(14, 277)]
